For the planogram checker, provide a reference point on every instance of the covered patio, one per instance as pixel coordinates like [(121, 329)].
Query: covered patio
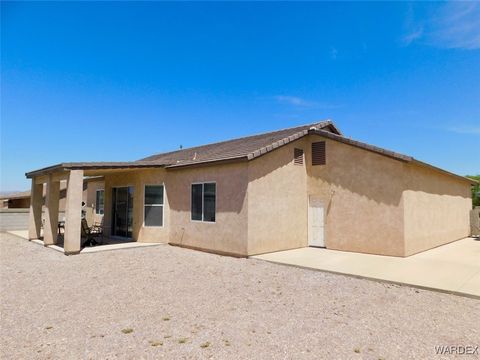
[(73, 173)]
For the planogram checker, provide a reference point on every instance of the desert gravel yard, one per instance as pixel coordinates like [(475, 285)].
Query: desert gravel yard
[(168, 302)]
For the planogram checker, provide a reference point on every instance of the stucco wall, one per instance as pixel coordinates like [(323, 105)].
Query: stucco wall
[(436, 208), (229, 232), (13, 219), (227, 235), (373, 204), (277, 207), (362, 196)]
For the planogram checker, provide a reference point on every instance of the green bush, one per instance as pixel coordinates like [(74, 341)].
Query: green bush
[(475, 190)]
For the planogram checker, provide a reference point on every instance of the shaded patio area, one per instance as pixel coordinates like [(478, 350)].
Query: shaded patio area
[(119, 224), (108, 243)]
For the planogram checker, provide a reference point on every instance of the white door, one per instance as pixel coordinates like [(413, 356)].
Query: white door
[(316, 222)]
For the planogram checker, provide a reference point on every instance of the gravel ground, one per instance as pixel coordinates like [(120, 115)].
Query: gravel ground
[(168, 302)]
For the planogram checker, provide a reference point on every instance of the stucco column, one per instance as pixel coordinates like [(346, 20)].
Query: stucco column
[(73, 212), (51, 212), (35, 217)]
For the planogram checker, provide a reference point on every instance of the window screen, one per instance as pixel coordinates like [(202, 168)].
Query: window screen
[(99, 204), (204, 202), (153, 205), (197, 198), (209, 198)]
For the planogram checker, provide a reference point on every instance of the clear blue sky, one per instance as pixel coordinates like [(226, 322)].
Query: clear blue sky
[(99, 81)]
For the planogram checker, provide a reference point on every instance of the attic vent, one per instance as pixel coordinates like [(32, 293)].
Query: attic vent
[(318, 153), (298, 156)]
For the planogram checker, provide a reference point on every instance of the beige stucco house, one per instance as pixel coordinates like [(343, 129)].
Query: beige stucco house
[(297, 187)]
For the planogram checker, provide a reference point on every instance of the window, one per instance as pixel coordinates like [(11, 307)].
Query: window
[(99, 202), (204, 202), (298, 156), (153, 205), (319, 153)]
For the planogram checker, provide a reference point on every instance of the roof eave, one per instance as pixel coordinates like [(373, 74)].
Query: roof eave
[(208, 162), (362, 145), (44, 170), (446, 172), (392, 154), (92, 166)]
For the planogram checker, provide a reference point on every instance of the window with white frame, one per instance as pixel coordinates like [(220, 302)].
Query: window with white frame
[(153, 205), (203, 206), (99, 202)]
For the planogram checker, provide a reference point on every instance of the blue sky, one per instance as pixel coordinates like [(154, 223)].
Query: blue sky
[(104, 81)]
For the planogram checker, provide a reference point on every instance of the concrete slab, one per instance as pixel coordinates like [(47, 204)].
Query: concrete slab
[(19, 233), (453, 268), (88, 250)]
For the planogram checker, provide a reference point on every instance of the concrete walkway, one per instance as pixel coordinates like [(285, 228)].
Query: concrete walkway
[(453, 268)]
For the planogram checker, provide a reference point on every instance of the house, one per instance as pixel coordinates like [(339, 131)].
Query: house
[(16, 200), (303, 186)]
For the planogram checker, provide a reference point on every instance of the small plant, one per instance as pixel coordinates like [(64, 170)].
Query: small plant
[(166, 318), (182, 340), (155, 343), (357, 350), (49, 328), (205, 345), (167, 336), (226, 342), (127, 330)]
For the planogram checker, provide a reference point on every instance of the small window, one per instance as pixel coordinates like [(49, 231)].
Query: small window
[(203, 206), (318, 153), (298, 156), (153, 205), (99, 202)]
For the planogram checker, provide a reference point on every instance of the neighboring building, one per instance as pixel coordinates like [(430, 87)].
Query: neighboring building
[(93, 189), (307, 185), (18, 200)]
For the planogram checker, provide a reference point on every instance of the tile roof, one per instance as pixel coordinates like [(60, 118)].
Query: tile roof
[(241, 149), (246, 147), (362, 145)]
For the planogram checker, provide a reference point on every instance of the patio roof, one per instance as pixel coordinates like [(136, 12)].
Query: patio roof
[(92, 166)]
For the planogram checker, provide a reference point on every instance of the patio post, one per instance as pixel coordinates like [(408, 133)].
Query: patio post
[(35, 215), (73, 212), (51, 212)]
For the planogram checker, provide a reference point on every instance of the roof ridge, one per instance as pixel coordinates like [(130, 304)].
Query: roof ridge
[(325, 122)]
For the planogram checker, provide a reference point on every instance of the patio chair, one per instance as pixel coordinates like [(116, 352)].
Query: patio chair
[(91, 234)]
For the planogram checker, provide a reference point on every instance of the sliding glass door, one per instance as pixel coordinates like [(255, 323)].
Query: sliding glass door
[(122, 219)]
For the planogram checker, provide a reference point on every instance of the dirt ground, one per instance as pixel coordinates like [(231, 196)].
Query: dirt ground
[(173, 303)]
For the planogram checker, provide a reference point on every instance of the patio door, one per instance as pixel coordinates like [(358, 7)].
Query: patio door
[(316, 215), (122, 211)]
